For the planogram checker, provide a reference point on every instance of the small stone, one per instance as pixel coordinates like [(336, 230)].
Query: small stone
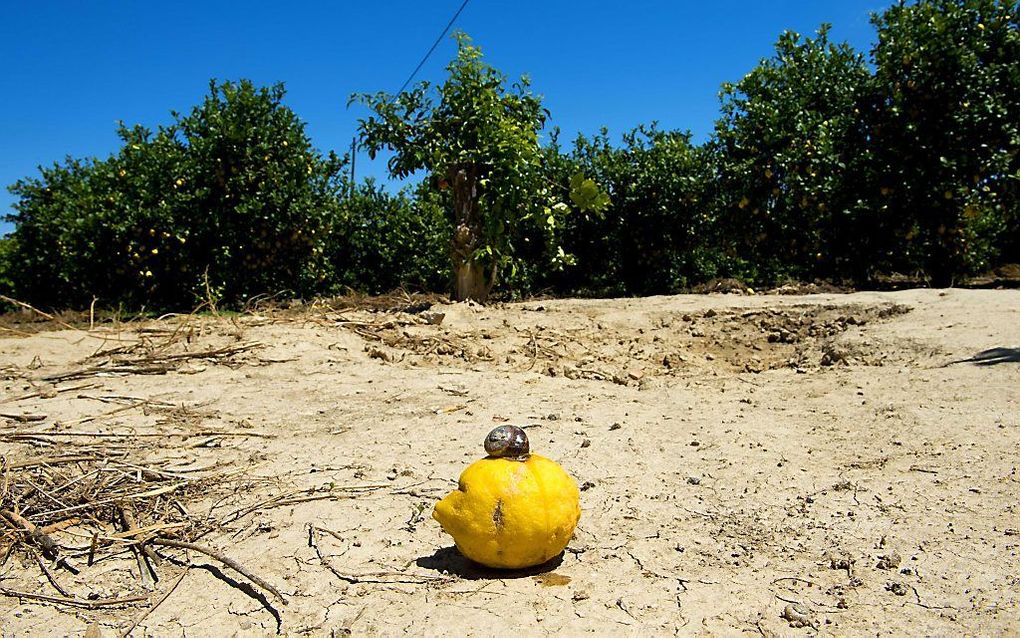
[(649, 383), (891, 560), (673, 360), (841, 562), (797, 616), (897, 588), (433, 318)]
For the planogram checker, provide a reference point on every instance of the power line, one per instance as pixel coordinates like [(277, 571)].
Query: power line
[(354, 142), (434, 45)]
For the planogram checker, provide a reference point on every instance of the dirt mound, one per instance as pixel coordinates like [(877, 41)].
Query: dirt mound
[(650, 345)]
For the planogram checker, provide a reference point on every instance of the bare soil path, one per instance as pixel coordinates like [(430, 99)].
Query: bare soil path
[(759, 465)]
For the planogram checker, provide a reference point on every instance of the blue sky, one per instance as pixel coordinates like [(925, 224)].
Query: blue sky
[(72, 69)]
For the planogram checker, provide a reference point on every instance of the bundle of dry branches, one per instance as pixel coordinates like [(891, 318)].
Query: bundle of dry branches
[(102, 503), (71, 511)]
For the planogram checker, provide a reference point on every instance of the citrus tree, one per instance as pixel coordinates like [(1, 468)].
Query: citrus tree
[(380, 240), (945, 132), (70, 237), (256, 194), (6, 266), (656, 235), (227, 201), (478, 138), (784, 147)]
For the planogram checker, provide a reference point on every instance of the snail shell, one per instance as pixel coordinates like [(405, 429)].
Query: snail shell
[(508, 441)]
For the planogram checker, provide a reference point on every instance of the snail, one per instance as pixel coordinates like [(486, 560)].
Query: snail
[(508, 442), (512, 509)]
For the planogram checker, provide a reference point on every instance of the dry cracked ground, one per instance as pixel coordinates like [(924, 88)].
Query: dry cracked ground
[(760, 465)]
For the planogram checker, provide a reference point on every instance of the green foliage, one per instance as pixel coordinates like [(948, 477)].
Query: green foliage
[(6, 267), (62, 238), (230, 200), (784, 149), (479, 138), (586, 194), (381, 241), (946, 133), (267, 196), (655, 236)]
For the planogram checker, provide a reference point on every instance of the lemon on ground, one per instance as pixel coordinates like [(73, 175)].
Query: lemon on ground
[(511, 511)]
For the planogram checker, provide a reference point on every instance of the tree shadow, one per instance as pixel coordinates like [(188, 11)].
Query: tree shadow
[(994, 356), (449, 560)]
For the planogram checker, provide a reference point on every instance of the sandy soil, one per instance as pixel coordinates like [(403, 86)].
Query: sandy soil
[(760, 465)]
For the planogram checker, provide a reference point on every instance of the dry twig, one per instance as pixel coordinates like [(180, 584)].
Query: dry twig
[(154, 363), (50, 575), (33, 533), (226, 560), (143, 554), (49, 392), (98, 603), (145, 614)]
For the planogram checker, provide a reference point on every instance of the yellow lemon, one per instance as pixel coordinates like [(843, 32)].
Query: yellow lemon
[(511, 509)]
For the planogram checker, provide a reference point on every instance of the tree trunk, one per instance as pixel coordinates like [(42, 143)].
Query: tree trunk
[(469, 275)]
